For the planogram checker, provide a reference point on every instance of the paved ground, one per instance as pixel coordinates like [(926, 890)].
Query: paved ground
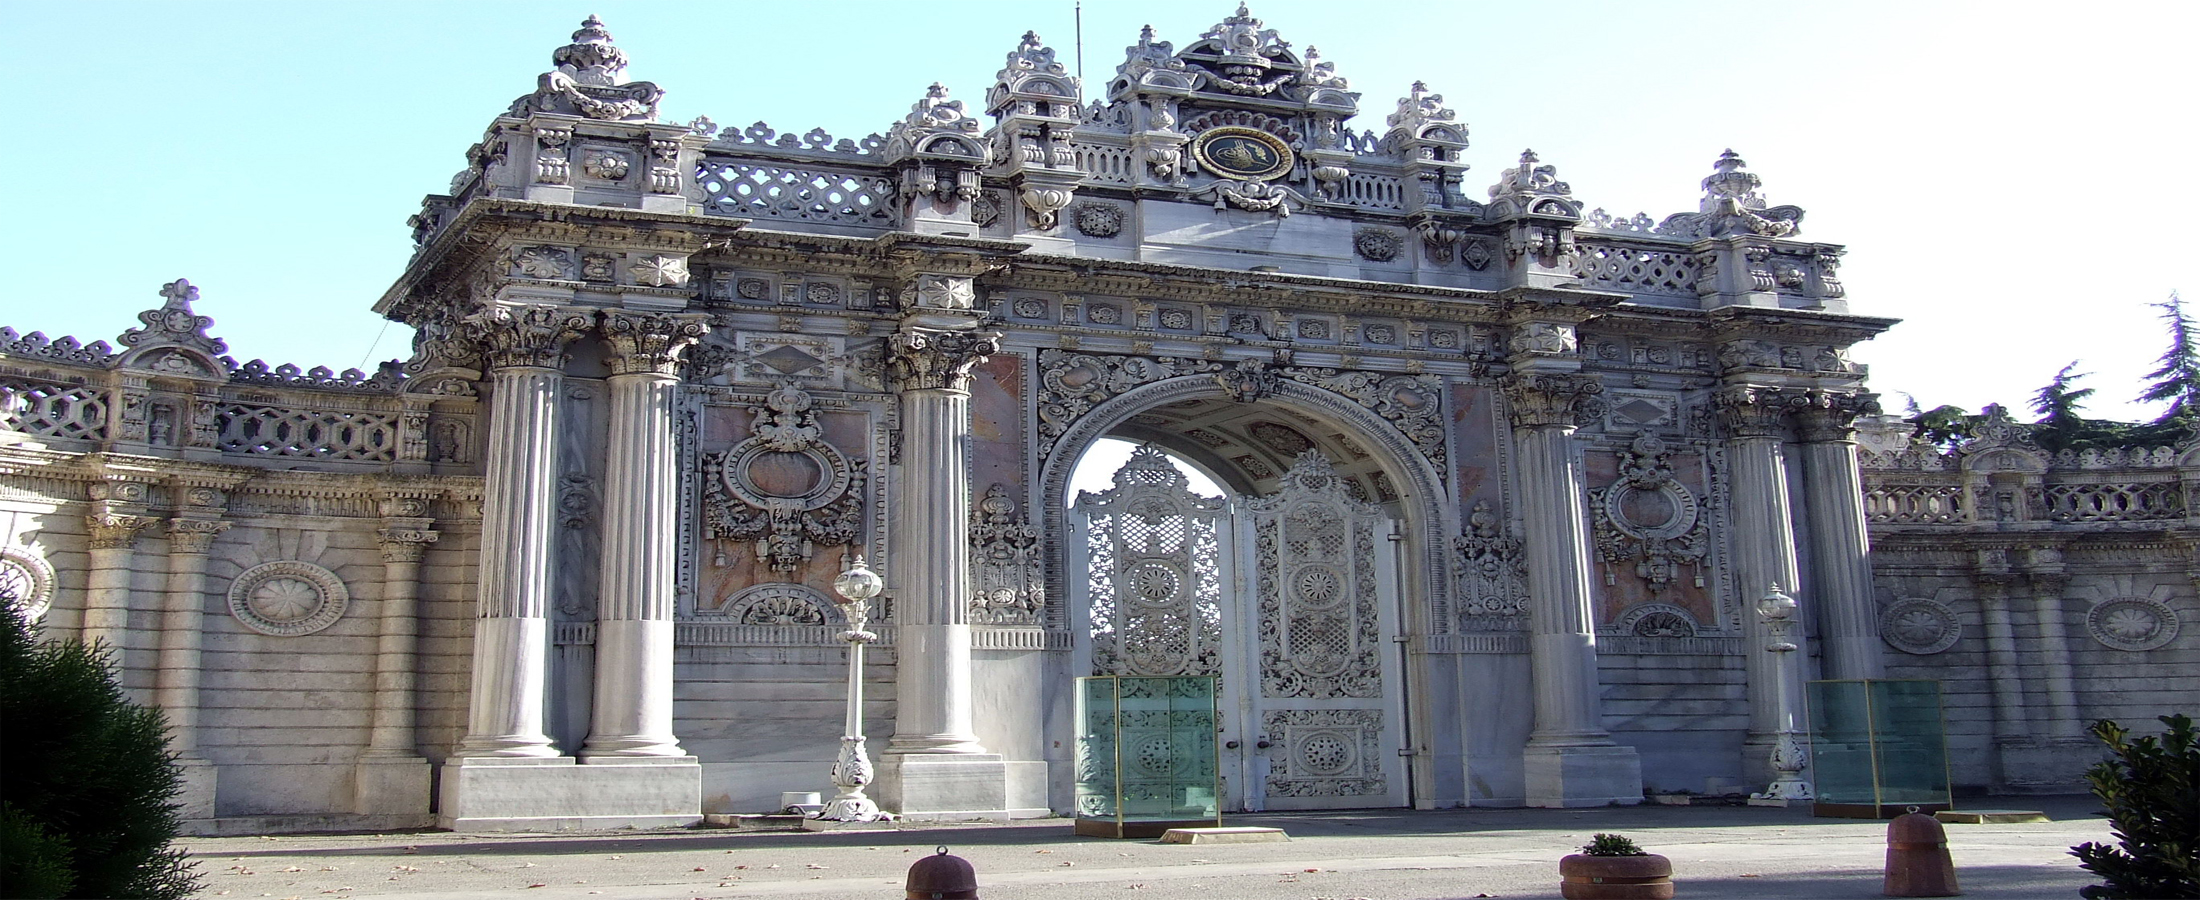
[(1717, 852)]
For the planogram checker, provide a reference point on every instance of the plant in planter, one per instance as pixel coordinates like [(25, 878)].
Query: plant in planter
[(1611, 867)]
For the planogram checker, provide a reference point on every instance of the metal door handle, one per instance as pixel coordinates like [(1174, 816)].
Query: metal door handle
[(1233, 745), (1263, 745)]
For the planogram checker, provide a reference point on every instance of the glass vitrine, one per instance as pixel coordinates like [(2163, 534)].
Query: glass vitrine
[(1146, 755), (1878, 747)]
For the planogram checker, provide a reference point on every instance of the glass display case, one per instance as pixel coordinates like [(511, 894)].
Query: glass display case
[(1878, 747), (1146, 755)]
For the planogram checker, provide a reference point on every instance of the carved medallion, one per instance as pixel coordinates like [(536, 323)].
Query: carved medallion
[(1919, 626), (1648, 518), (785, 487), (288, 598), (2132, 623), (1376, 244), (1246, 153), (1098, 219), (26, 581)]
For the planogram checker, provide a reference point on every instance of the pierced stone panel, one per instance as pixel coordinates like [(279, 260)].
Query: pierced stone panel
[(1152, 550), (316, 434), (53, 410), (771, 192), (1320, 635), (288, 598), (1326, 752)]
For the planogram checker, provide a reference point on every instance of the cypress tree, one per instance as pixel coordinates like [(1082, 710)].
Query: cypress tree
[(2058, 404), (2176, 377), (86, 779)]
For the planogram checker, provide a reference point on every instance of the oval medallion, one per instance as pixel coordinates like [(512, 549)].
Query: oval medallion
[(1246, 153)]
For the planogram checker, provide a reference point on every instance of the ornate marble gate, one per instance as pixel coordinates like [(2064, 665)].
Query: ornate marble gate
[(1289, 598)]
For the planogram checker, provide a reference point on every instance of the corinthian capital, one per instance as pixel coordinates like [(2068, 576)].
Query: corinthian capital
[(648, 343), (1540, 400), (405, 542), (1831, 415), (192, 535), (921, 359), (524, 336), (1749, 410), (112, 531)]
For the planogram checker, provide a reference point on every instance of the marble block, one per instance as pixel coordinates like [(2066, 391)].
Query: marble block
[(559, 794), (1592, 775), (943, 786), (391, 785)]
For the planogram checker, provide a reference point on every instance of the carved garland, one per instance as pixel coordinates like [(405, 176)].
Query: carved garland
[(1623, 512), (786, 520)]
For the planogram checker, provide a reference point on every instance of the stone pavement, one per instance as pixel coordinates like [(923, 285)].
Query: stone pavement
[(1717, 852)]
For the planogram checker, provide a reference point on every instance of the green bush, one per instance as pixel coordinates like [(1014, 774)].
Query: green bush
[(86, 778), (1611, 845), (2151, 791)]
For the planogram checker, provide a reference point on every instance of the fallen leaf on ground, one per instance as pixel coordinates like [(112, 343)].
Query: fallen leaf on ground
[(816, 866), (539, 884), (701, 869), (1065, 863)]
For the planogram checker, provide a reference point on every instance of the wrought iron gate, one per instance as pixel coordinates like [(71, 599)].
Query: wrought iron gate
[(1311, 700)]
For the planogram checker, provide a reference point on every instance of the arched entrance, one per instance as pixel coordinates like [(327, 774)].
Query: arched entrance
[(1304, 588)]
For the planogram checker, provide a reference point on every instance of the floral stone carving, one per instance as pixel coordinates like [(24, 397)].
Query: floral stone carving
[(1919, 626), (2132, 623), (1493, 573), (1649, 519), (1005, 563), (1099, 219), (1377, 244), (26, 582), (777, 604), (288, 598), (784, 488)]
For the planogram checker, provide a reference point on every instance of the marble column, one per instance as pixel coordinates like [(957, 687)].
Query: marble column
[(1764, 551), (391, 777), (934, 766), (117, 518), (1833, 502), (2063, 722), (2010, 721), (632, 712), (524, 352), (1570, 759), (176, 677)]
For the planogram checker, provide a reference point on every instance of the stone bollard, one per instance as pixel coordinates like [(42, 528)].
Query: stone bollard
[(1918, 864), (942, 877)]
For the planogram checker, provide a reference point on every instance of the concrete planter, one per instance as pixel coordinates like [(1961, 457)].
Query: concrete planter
[(1645, 877)]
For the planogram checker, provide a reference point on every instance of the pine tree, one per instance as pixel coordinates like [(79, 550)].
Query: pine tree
[(2176, 378), (87, 778), (2058, 404)]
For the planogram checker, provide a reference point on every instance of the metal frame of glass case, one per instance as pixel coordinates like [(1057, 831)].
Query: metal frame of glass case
[(1878, 747), (1147, 758)]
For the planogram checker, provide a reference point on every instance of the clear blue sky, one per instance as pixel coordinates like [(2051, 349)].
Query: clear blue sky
[(2015, 180)]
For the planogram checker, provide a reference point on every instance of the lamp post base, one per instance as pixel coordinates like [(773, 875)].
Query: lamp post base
[(851, 772)]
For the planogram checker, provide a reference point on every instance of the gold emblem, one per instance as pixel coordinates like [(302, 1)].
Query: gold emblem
[(1246, 153)]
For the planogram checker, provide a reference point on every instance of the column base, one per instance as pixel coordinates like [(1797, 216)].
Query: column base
[(197, 799), (934, 787), (557, 794), (1563, 775), (391, 786)]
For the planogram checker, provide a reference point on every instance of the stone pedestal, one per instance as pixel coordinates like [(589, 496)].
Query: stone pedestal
[(955, 787), (1570, 775), (197, 799), (394, 785), (483, 794)]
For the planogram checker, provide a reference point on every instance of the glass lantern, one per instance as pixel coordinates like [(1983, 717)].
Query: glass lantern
[(1878, 747), (1147, 760)]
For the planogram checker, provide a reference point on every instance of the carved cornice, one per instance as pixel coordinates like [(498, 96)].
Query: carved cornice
[(1827, 416), (532, 336), (648, 343), (920, 359), (1549, 400), (194, 536)]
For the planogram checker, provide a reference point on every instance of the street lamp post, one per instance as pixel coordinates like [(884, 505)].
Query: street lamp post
[(1788, 759), (852, 770)]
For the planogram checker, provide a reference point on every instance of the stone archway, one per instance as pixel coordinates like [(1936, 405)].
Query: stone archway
[(1423, 583)]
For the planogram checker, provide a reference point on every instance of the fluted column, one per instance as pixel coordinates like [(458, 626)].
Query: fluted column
[(524, 352), (930, 579), (1833, 502), (1764, 550), (1570, 759), (632, 712)]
